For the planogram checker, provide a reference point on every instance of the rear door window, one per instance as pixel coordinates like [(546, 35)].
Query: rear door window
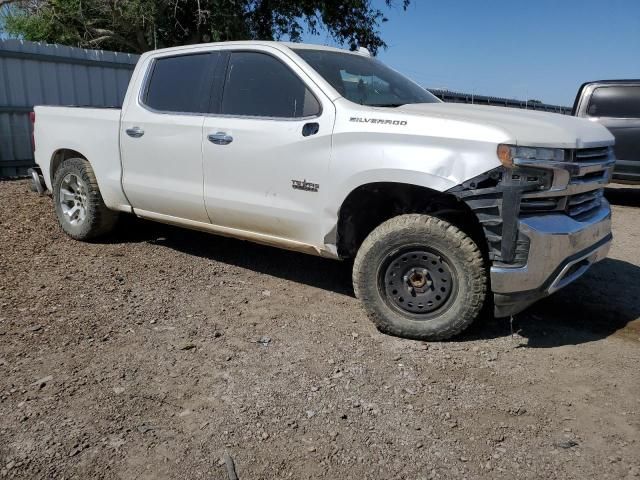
[(615, 102), (181, 84), (259, 85)]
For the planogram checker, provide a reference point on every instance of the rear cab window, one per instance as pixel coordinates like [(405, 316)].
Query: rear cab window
[(619, 101), (181, 84)]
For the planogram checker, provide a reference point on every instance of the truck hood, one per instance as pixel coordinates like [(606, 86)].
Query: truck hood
[(520, 127)]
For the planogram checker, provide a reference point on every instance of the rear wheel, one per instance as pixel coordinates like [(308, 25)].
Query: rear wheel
[(420, 277), (80, 209)]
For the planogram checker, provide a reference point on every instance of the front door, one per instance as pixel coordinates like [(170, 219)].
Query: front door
[(266, 153)]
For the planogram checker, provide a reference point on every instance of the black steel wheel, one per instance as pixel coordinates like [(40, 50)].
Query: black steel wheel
[(418, 281), (420, 277)]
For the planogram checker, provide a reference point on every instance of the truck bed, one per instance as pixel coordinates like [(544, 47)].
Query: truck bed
[(92, 131)]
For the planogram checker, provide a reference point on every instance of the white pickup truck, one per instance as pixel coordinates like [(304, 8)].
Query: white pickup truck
[(442, 207)]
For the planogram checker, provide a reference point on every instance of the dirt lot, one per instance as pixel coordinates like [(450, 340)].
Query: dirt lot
[(152, 353)]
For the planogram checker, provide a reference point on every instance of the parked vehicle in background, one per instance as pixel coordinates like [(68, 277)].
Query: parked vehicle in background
[(330, 152), (616, 105)]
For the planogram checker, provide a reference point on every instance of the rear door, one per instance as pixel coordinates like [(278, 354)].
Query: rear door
[(266, 148), (617, 107), (161, 136)]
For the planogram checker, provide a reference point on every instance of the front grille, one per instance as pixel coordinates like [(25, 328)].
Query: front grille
[(589, 186), (500, 197), (539, 205), (577, 206), (593, 155), (582, 204)]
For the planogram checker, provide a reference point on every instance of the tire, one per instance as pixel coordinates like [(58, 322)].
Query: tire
[(83, 214), (420, 277)]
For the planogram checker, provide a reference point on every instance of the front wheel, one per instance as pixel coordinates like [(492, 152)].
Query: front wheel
[(420, 277)]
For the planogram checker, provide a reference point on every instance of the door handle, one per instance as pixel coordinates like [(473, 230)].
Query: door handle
[(310, 129), (220, 138), (135, 132)]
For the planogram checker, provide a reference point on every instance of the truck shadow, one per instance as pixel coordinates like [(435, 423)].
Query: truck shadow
[(604, 302), (297, 267)]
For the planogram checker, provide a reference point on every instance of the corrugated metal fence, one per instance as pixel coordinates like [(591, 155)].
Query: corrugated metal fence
[(41, 74)]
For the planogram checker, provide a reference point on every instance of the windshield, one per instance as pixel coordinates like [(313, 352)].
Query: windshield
[(365, 80)]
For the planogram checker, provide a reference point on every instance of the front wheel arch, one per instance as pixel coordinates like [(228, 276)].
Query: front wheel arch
[(369, 205)]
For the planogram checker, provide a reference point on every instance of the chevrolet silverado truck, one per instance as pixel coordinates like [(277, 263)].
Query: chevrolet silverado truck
[(441, 207)]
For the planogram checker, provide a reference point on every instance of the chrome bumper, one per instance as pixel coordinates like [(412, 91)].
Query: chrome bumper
[(561, 250)]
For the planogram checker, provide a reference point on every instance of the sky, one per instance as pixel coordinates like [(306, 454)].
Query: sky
[(523, 49), (537, 49)]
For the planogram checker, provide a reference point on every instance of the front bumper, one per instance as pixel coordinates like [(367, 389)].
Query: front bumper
[(561, 250)]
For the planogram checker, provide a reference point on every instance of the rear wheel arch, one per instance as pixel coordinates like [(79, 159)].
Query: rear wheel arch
[(58, 158)]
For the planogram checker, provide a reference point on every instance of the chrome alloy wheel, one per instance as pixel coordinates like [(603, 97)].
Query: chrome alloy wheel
[(73, 199)]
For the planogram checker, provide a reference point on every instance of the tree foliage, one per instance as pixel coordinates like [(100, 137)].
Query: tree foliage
[(141, 25)]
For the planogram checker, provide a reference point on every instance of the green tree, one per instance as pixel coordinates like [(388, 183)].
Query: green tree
[(141, 25)]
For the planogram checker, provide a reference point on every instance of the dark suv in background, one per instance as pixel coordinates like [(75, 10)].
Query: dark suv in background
[(616, 105)]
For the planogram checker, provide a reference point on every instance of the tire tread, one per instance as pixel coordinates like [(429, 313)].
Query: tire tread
[(100, 220), (394, 230)]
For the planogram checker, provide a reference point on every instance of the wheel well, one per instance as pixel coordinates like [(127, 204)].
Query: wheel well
[(59, 157), (369, 205)]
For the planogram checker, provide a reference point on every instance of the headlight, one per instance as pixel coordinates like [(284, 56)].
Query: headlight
[(507, 153)]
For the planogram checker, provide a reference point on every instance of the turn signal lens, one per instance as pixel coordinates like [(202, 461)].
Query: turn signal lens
[(505, 154)]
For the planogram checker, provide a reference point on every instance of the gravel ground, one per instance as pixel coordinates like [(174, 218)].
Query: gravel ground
[(152, 353)]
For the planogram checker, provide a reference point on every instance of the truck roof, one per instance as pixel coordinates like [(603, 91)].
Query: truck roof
[(279, 45)]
